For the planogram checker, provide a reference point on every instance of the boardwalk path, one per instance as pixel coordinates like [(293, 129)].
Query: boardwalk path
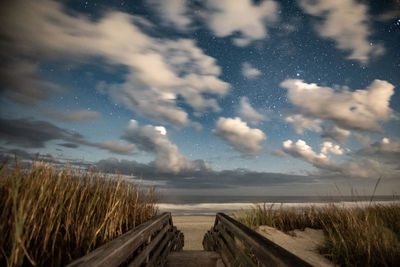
[(193, 228)]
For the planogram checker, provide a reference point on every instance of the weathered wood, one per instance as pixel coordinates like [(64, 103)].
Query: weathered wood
[(145, 253), (159, 256), (225, 232), (240, 258), (145, 237), (193, 258)]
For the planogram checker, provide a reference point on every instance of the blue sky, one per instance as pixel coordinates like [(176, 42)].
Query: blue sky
[(232, 97)]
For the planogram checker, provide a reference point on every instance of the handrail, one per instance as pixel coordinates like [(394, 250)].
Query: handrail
[(242, 246), (150, 241)]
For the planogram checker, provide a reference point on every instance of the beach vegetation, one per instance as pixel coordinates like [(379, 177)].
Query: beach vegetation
[(50, 216), (355, 236)]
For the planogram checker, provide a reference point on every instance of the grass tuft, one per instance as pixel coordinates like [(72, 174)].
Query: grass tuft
[(368, 236), (50, 216)]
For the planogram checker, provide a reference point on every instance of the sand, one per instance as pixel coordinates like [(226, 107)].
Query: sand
[(302, 243), (194, 229)]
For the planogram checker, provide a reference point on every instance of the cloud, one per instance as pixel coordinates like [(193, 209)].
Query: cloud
[(249, 71), (20, 81), (182, 67), (33, 133), (301, 123), (300, 149), (358, 110), (30, 133), (338, 134), (117, 148), (352, 167), (242, 17), (69, 145), (244, 139), (248, 113), (72, 116), (200, 178), (346, 22), (172, 12), (385, 149), (154, 139)]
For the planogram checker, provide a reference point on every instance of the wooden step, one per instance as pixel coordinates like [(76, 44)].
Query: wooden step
[(192, 258)]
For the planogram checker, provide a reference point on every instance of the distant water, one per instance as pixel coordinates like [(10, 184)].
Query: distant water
[(210, 205)]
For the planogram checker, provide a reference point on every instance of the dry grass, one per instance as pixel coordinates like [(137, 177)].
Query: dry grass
[(49, 216), (368, 236)]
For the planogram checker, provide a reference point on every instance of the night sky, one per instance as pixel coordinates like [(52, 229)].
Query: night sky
[(207, 97)]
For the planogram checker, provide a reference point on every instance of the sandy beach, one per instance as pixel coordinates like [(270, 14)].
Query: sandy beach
[(302, 243), (193, 228)]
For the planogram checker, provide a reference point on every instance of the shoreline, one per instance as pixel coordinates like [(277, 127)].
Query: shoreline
[(210, 209)]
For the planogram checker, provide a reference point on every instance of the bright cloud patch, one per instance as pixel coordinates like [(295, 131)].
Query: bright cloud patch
[(242, 138), (347, 23), (301, 123), (173, 12), (359, 110), (241, 16), (153, 139), (248, 113), (181, 67), (249, 71), (300, 149)]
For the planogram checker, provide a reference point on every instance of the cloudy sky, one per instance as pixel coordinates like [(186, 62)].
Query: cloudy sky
[(207, 97)]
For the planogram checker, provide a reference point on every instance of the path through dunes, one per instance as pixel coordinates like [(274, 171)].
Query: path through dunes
[(193, 229)]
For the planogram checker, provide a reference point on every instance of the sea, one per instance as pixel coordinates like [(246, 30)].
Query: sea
[(210, 205)]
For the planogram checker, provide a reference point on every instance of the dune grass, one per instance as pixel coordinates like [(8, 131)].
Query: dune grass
[(368, 236), (50, 216)]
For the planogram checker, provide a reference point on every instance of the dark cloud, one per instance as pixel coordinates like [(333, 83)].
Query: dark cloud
[(30, 133), (205, 178), (69, 145)]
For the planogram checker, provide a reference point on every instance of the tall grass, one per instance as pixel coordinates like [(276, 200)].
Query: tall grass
[(50, 216), (368, 236)]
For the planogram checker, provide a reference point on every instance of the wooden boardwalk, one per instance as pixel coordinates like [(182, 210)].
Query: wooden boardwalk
[(158, 242), (194, 258)]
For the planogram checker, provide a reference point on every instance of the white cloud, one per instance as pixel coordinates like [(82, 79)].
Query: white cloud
[(351, 167), (244, 17), (154, 139), (328, 147), (359, 110), (242, 138), (182, 68), (300, 149), (336, 133), (347, 23), (173, 12), (301, 123), (249, 71), (248, 113)]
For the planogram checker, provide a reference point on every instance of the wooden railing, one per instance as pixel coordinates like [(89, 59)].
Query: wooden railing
[(239, 245), (148, 244)]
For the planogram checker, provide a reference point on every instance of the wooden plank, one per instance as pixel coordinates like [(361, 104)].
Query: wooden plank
[(226, 254), (139, 259), (267, 252), (118, 250), (164, 247), (194, 258), (240, 258)]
